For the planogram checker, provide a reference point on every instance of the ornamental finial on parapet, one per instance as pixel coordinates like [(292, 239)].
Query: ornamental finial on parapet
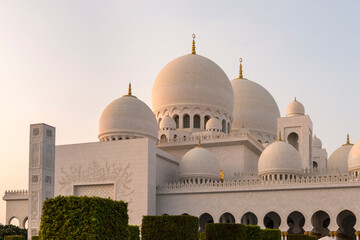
[(193, 51), (129, 92)]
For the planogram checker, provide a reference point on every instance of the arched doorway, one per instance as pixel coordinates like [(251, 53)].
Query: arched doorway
[(320, 221), (346, 221), (249, 218), (272, 220), (296, 221), (203, 220), (227, 218), (293, 139)]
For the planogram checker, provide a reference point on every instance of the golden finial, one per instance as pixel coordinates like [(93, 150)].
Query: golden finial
[(199, 143), (129, 92), (240, 69), (279, 137), (221, 175), (348, 141), (295, 99), (193, 51)]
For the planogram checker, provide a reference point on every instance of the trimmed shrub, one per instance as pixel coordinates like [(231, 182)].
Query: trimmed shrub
[(134, 232), (225, 231), (253, 232), (202, 236), (270, 234), (182, 227), (14, 237), (74, 217), (6, 230)]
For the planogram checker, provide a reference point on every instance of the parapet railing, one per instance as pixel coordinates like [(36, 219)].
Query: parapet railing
[(16, 194), (239, 184), (210, 136)]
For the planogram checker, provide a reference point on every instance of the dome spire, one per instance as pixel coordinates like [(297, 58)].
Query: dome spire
[(279, 137), (240, 69), (129, 91), (347, 140), (193, 51), (199, 143)]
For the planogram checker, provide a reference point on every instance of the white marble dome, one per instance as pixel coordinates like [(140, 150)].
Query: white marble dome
[(295, 108), (193, 81), (339, 158), (127, 117), (354, 159), (213, 125), (316, 142), (254, 106), (168, 123), (279, 158), (199, 163)]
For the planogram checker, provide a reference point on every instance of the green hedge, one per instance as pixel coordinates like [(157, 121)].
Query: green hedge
[(35, 238), (134, 232), (75, 218), (182, 227), (6, 230), (225, 231), (253, 232), (14, 237), (270, 234), (202, 236)]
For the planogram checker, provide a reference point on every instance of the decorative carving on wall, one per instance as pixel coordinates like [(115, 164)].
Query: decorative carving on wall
[(35, 179), (34, 204), (34, 232), (48, 179), (48, 156), (36, 132), (48, 133), (98, 173), (35, 155)]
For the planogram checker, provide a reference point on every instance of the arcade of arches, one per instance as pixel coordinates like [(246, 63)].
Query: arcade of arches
[(295, 222)]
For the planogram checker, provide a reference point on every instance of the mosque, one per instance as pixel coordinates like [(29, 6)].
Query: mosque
[(209, 147)]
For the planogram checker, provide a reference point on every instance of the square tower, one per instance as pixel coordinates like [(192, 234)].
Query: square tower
[(41, 172)]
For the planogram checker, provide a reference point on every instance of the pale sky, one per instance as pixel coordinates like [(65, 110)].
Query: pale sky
[(63, 61)]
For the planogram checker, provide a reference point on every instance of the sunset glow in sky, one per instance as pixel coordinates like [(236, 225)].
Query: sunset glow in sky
[(62, 62)]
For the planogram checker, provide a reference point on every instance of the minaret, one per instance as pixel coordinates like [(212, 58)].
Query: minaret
[(41, 172)]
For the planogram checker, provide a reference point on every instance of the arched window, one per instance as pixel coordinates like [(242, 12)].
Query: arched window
[(293, 140), (175, 136), (196, 121), (206, 119), (228, 129), (163, 137), (159, 121), (223, 126), (186, 121), (315, 165), (176, 118)]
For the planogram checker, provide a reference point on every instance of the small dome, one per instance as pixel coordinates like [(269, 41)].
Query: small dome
[(168, 123), (127, 117), (354, 158), (279, 158), (213, 125), (339, 158), (254, 106), (199, 163), (316, 142), (295, 108)]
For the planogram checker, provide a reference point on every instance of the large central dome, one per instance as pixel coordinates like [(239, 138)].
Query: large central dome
[(192, 80), (193, 85)]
